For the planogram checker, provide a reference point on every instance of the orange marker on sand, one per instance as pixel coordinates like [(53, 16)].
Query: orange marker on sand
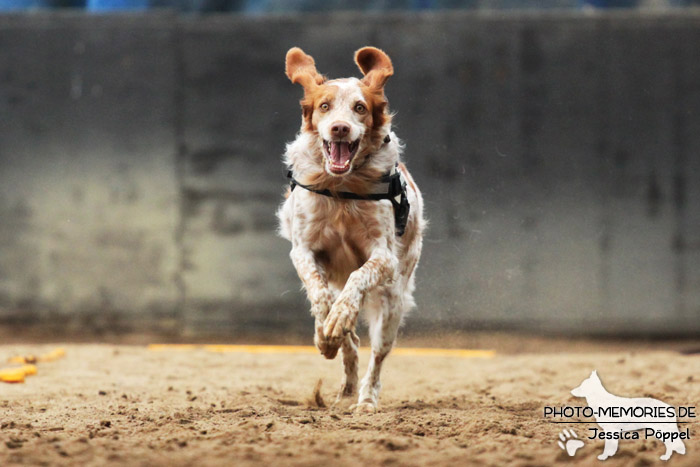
[(53, 355), (31, 359), (17, 375)]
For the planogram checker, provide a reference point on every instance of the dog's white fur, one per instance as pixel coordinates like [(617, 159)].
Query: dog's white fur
[(597, 396), (346, 252)]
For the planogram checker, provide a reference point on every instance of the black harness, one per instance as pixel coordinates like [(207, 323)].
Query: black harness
[(396, 193)]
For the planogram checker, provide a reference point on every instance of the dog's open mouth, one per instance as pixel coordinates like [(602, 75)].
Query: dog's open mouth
[(339, 154)]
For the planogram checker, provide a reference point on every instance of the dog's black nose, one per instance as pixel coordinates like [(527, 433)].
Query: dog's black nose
[(340, 130)]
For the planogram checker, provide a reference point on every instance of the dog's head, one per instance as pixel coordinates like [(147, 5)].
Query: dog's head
[(348, 116), (590, 385)]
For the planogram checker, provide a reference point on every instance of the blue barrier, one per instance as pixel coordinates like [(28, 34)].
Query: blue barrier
[(116, 5), (9, 5)]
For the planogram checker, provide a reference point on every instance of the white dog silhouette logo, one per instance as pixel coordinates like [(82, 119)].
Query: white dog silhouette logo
[(616, 415)]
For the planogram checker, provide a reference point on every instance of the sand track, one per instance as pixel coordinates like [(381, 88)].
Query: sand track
[(126, 405)]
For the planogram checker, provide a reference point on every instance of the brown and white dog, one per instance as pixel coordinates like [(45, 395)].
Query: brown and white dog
[(347, 251)]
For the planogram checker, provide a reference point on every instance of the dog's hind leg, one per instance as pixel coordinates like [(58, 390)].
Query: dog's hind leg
[(350, 363), (609, 450), (384, 316)]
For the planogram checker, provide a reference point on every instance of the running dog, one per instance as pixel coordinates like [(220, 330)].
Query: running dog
[(353, 214)]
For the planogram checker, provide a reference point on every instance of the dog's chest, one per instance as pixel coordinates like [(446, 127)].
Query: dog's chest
[(343, 233)]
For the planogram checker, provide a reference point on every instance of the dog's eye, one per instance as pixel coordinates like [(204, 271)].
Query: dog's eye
[(360, 108), (324, 107)]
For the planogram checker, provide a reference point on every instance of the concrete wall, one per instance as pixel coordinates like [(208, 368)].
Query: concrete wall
[(558, 155), (89, 193)]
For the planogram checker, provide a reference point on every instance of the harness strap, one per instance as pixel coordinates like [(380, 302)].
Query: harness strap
[(396, 193)]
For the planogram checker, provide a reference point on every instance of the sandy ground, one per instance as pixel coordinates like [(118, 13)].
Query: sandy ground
[(126, 405)]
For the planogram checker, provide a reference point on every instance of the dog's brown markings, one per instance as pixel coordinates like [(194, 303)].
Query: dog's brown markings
[(375, 65), (301, 69), (344, 234), (312, 101), (377, 68)]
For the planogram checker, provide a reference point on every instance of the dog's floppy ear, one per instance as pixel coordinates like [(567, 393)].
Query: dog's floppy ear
[(301, 69), (375, 65)]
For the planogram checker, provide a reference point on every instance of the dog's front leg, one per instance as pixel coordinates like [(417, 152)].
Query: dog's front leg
[(378, 269), (321, 298)]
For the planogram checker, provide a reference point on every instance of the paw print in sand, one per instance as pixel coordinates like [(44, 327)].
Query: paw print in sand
[(569, 442)]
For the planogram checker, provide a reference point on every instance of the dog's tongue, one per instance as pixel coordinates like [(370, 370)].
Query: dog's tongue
[(340, 152)]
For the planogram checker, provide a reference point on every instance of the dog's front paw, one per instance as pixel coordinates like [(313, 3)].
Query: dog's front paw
[(327, 348), (340, 321)]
